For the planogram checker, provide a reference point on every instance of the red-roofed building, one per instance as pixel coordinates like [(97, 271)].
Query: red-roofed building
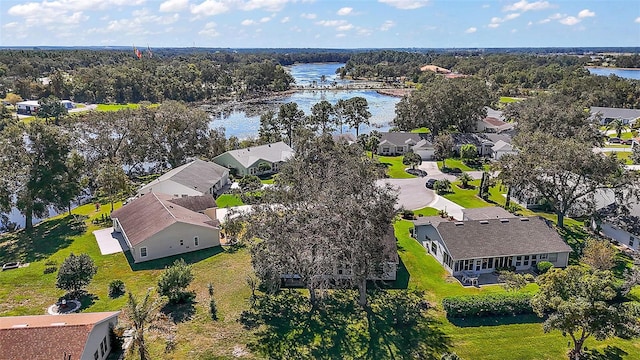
[(83, 336)]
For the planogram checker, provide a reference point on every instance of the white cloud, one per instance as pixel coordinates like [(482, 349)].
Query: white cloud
[(524, 5), (210, 8), (493, 26), (265, 19), (387, 25), (345, 11), (638, 20), (248, 22), (174, 5), (569, 20), (269, 5), (471, 30), (285, 19), (345, 27), (586, 13), (209, 30), (308, 16), (511, 16), (340, 35), (364, 32), (332, 23), (405, 4), (496, 21)]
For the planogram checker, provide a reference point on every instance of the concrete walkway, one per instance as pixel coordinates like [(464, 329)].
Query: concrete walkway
[(449, 206), (109, 241), (611, 149)]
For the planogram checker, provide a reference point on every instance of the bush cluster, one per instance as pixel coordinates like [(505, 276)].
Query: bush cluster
[(116, 288), (544, 266), (487, 305)]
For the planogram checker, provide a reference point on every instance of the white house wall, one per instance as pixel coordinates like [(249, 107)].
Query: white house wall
[(621, 236), (167, 242), (170, 187), (98, 333)]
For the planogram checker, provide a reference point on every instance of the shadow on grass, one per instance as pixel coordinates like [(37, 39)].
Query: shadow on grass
[(402, 277), (495, 320), (43, 240), (87, 300), (609, 353), (180, 312), (395, 325), (159, 264)]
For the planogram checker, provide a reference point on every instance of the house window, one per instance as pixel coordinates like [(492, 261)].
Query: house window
[(434, 247), (181, 242), (485, 263), (143, 252), (526, 260), (385, 149), (96, 356), (490, 263), (399, 149), (196, 241), (542, 257), (518, 261), (631, 241), (553, 257)]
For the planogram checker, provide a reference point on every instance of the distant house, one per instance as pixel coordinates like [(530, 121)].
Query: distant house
[(482, 143), (502, 148), (347, 138), (619, 223), (607, 115), (486, 213), (256, 160), (399, 143), (195, 178), (492, 125), (157, 225), (29, 107), (83, 336), (68, 104), (482, 246)]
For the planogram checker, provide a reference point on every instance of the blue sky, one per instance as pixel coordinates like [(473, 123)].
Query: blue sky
[(320, 23)]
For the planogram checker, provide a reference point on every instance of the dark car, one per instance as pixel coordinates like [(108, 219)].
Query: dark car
[(615, 140), (430, 182)]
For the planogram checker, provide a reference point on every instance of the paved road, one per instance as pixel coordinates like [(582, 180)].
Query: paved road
[(611, 149), (412, 194)]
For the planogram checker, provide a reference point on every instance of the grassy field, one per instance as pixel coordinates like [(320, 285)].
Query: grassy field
[(467, 198), (116, 107), (395, 167), (624, 156), (508, 99), (421, 130), (28, 291), (228, 200), (427, 211)]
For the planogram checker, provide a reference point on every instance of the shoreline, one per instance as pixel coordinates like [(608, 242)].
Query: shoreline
[(611, 68)]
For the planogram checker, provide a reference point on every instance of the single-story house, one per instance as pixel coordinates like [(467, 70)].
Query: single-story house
[(482, 246), (398, 143), (255, 160), (158, 225), (347, 138), (486, 213), (492, 125), (195, 178), (29, 107), (620, 223), (83, 336), (482, 143), (501, 149), (606, 115)]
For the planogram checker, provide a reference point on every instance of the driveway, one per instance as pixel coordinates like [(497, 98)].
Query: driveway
[(412, 194), (109, 241)]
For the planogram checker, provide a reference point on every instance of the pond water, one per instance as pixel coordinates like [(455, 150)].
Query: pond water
[(623, 73), (243, 124)]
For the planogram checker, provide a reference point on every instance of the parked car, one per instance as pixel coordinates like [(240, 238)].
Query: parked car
[(615, 140), (430, 182), (627, 142)]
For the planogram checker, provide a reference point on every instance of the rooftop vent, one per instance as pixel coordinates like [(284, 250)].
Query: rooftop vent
[(459, 223), (524, 219), (484, 222), (20, 326), (58, 324), (504, 220)]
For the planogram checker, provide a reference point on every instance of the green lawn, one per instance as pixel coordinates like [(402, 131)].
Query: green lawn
[(508, 99), (625, 156), (459, 164), (467, 198), (395, 167), (116, 107), (427, 211), (228, 200), (620, 146), (421, 130)]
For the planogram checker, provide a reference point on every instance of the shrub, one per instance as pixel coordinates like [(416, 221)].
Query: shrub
[(213, 309), (442, 186), (544, 266), (174, 281), (75, 273), (407, 214), (50, 267), (487, 305), (116, 288)]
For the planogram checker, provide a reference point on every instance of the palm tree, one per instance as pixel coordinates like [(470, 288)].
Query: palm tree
[(464, 179), (618, 126), (141, 314)]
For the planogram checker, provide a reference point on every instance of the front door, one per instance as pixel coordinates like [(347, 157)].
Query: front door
[(478, 264)]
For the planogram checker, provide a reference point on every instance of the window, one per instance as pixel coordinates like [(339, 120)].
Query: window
[(632, 240), (518, 261), (96, 356), (399, 149), (553, 257), (542, 257), (526, 260), (196, 241), (181, 242), (485, 263), (385, 149), (434, 247), (143, 252), (490, 263)]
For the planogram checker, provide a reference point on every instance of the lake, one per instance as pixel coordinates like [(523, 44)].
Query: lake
[(243, 125), (623, 73)]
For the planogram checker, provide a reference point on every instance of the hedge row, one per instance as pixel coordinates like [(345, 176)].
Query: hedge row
[(487, 305)]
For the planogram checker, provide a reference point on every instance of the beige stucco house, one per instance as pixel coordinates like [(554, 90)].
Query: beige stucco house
[(195, 178), (255, 160), (482, 246), (158, 225), (83, 336)]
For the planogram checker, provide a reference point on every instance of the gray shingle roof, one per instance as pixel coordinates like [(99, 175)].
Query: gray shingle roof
[(625, 218), (277, 152), (199, 175), (402, 138), (492, 238), (502, 146), (486, 213), (614, 113)]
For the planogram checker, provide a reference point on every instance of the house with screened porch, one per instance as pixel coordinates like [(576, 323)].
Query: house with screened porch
[(483, 246)]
